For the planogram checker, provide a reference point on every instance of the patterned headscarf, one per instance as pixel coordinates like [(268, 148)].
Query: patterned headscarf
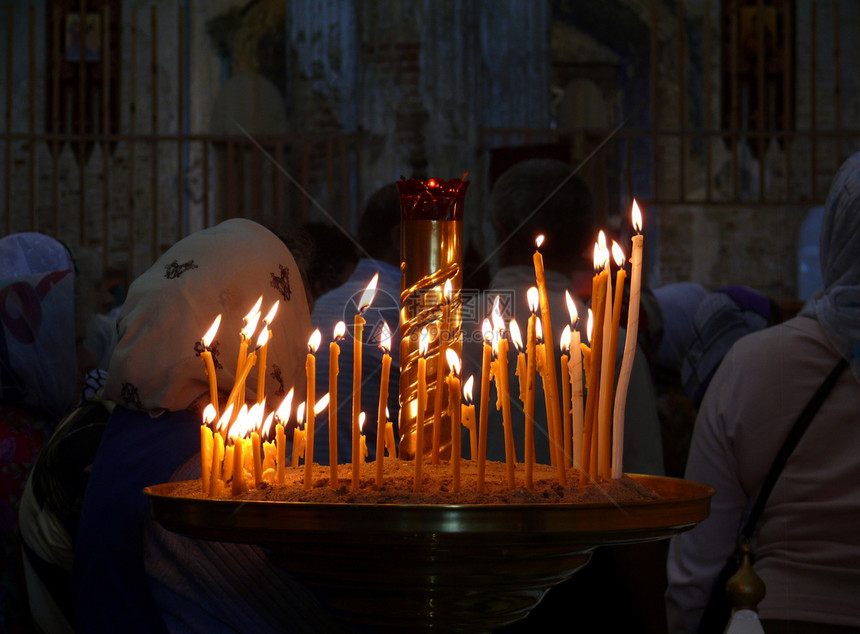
[(837, 305), (38, 362), (157, 366)]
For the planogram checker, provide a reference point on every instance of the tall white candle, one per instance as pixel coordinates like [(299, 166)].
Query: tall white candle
[(629, 343)]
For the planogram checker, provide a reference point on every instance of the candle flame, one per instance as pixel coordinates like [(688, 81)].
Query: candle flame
[(255, 416), (598, 257), (210, 334), (423, 341), (267, 424), (250, 325), (272, 312), (300, 414), (453, 361), (636, 217), (533, 298), (448, 290), (590, 325), (539, 241), (339, 330), (618, 254), (387, 413), (498, 320), (385, 338), (601, 239), (361, 418), (516, 336), (322, 404), (314, 341), (286, 407), (240, 425), (254, 310), (571, 307), (565, 340), (208, 414), (467, 389), (538, 331), (368, 295), (263, 339), (487, 331), (225, 418)]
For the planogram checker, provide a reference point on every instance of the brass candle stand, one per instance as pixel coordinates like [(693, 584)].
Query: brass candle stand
[(431, 253)]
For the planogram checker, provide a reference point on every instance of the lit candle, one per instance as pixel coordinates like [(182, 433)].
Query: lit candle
[(468, 415), (283, 417), (607, 372), (206, 446), (216, 477), (390, 445), (310, 372), (443, 336), (453, 381), (362, 439), (423, 343), (210, 363), (382, 415), (363, 304), (500, 345), (565, 395), (598, 301), (236, 400), (333, 371), (629, 343), (249, 326), (605, 462), (531, 354), (575, 372), (487, 331), (517, 339), (299, 436), (261, 365), (553, 416), (238, 467), (540, 367)]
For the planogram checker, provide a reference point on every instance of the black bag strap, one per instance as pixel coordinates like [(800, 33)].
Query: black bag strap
[(800, 426)]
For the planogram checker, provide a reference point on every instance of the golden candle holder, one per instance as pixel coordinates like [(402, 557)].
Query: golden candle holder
[(431, 253), (440, 567)]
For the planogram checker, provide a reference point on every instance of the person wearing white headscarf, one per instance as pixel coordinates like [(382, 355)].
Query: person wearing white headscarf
[(807, 546), (129, 574)]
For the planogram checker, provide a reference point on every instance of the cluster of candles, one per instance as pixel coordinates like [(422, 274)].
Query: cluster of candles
[(585, 426)]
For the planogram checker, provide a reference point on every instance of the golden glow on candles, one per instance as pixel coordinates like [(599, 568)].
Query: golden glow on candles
[(565, 396), (575, 373), (517, 339), (598, 294), (553, 412), (629, 343), (469, 416), (270, 316), (310, 372), (366, 298), (283, 415), (209, 363), (333, 371), (423, 344), (456, 416), (382, 412), (362, 417), (442, 336), (486, 360), (262, 345), (500, 348), (206, 447)]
